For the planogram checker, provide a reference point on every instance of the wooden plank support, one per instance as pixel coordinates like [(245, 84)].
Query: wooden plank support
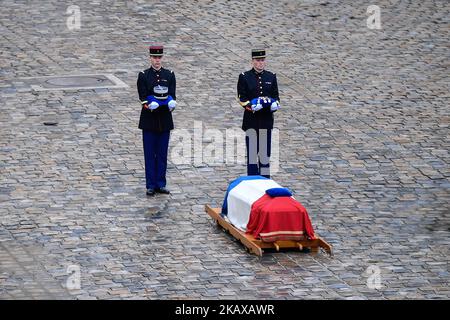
[(215, 214), (256, 246), (325, 245), (277, 247)]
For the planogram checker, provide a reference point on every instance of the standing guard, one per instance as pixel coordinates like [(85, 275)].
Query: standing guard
[(156, 87), (258, 95)]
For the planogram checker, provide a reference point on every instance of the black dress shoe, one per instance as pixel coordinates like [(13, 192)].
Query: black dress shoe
[(150, 192), (163, 190)]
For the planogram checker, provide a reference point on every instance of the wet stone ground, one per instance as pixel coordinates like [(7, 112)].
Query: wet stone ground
[(363, 143)]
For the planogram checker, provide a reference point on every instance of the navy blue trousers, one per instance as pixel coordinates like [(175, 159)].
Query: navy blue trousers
[(156, 145), (259, 144)]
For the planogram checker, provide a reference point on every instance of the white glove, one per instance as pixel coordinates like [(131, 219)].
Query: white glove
[(256, 107), (154, 105), (274, 106), (172, 104)]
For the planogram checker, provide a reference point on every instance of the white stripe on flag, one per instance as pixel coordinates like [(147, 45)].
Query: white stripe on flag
[(241, 198)]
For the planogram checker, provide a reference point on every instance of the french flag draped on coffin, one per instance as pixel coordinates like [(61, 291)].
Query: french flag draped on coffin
[(261, 207)]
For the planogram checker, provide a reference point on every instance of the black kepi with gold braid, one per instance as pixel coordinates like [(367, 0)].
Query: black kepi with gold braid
[(258, 53)]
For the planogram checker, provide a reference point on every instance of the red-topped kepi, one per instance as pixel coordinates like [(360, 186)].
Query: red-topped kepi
[(156, 51)]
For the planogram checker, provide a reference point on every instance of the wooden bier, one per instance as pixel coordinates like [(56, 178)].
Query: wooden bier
[(256, 246)]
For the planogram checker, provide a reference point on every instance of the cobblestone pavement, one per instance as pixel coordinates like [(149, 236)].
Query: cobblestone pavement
[(364, 135)]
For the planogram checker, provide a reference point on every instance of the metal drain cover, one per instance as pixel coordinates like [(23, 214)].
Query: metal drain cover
[(75, 82)]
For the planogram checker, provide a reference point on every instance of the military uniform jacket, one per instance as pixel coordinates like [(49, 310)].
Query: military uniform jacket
[(160, 119), (252, 85)]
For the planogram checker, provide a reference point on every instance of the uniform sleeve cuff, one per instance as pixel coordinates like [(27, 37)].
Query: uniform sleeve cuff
[(244, 103)]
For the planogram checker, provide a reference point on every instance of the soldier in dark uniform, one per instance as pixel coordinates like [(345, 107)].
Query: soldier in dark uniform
[(156, 87), (258, 95)]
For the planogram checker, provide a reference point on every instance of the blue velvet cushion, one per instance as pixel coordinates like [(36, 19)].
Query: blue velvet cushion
[(279, 192)]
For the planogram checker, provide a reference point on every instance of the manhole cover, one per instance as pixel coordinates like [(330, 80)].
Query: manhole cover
[(78, 81), (75, 82)]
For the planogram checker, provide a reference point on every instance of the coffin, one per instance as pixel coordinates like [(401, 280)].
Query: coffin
[(249, 207)]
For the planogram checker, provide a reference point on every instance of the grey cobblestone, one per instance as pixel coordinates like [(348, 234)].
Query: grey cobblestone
[(364, 126)]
